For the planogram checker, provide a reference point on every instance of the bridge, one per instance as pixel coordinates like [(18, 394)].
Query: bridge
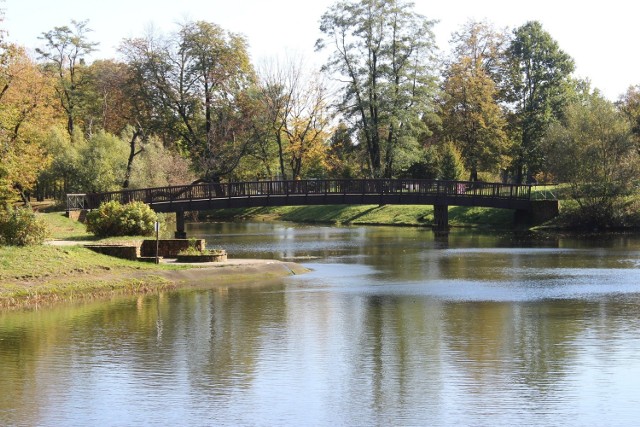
[(440, 194)]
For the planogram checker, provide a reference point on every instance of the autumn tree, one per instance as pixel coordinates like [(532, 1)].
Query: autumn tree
[(65, 53), (25, 96), (382, 50), (538, 79), (295, 103), (196, 81), (471, 115), (107, 96)]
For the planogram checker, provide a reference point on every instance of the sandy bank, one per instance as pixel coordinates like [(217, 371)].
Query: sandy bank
[(230, 271)]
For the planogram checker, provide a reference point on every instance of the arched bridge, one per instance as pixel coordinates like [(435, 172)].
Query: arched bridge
[(440, 194)]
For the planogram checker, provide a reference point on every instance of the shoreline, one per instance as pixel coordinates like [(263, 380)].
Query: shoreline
[(81, 287)]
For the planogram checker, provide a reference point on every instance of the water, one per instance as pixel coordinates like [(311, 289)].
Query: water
[(393, 327)]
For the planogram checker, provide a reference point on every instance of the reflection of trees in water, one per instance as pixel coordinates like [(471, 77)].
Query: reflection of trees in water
[(43, 354), (517, 343), (400, 351), (386, 354)]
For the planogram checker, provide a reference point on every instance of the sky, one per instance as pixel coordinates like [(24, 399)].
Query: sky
[(600, 36)]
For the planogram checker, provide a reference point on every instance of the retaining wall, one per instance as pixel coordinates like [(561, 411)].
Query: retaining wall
[(169, 248), (119, 251)]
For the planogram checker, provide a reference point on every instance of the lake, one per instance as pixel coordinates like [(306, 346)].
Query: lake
[(394, 326)]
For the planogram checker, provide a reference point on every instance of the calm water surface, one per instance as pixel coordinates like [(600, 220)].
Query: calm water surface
[(392, 327)]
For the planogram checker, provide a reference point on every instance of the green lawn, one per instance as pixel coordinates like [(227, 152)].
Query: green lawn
[(409, 215), (48, 272)]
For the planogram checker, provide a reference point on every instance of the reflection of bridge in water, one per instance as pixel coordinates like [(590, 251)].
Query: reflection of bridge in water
[(440, 194)]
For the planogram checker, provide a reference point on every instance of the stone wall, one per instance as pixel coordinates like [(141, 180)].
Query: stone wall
[(169, 248), (119, 251)]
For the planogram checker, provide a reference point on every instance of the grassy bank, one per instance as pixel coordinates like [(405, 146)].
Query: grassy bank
[(420, 216), (41, 274), (49, 273), (36, 275)]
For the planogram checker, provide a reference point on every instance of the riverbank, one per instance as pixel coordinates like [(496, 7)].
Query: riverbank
[(64, 270), (48, 274), (389, 215)]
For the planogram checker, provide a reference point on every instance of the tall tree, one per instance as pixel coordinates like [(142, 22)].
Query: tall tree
[(538, 76), (66, 50), (196, 81), (471, 115), (382, 50), (295, 103), (25, 96)]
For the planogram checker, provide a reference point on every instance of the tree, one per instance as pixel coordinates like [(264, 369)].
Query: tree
[(197, 82), (66, 50), (382, 51), (538, 79), (629, 104), (159, 166), (451, 165), (471, 115), (296, 107), (593, 149), (108, 96), (83, 165), (103, 161), (344, 159), (25, 95)]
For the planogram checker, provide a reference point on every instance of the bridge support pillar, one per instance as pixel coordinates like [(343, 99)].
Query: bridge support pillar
[(180, 233), (441, 218)]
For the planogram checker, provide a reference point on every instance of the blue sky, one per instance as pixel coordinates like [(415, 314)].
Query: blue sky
[(600, 36)]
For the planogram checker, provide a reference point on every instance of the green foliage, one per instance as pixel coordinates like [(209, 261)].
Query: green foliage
[(21, 227), (85, 166), (629, 104), (451, 165), (194, 84), (383, 51), (103, 160), (114, 219), (539, 81), (593, 149), (157, 166), (427, 167), (65, 51), (471, 114)]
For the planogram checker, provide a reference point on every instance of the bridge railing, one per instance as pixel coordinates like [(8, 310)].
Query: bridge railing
[(304, 187)]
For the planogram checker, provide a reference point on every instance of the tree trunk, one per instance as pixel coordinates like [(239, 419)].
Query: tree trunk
[(132, 154)]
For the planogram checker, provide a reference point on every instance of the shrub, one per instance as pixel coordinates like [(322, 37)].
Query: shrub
[(115, 219), (21, 227)]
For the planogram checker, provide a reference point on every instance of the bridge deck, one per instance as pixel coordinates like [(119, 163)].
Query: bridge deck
[(317, 192)]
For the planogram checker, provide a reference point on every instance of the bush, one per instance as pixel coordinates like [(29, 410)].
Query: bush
[(115, 219), (21, 227)]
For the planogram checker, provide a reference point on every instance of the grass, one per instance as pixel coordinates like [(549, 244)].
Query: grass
[(46, 272), (409, 215), (62, 228)]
